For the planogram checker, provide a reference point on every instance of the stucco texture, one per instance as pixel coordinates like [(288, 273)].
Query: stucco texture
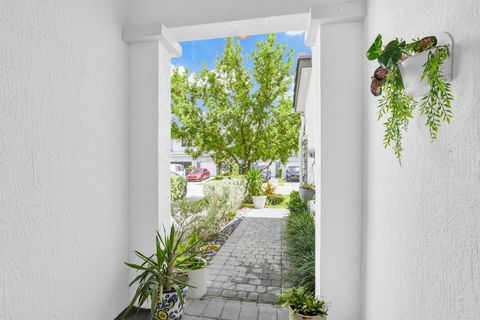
[(422, 220), (63, 159)]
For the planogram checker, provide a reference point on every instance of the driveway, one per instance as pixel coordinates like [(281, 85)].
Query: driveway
[(287, 187), (195, 189)]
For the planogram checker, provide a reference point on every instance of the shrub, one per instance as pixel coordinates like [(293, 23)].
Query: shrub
[(206, 217), (275, 199), (269, 189), (235, 169), (297, 205), (300, 251), (187, 214), (178, 187), (223, 198), (280, 173)]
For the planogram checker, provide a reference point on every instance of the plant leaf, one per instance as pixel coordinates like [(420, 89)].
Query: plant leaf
[(392, 53), (375, 49)]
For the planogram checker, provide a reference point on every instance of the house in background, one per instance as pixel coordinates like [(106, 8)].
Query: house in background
[(303, 103), (179, 156)]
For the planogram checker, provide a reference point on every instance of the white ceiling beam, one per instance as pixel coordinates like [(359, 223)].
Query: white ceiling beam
[(152, 32), (333, 13)]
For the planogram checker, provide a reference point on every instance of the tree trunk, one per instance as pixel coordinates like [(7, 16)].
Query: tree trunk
[(245, 166)]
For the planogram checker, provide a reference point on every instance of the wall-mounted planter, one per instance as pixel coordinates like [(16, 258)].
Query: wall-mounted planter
[(411, 69), (398, 83)]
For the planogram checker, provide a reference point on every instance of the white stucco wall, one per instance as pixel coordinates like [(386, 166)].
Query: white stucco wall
[(63, 159), (422, 220)]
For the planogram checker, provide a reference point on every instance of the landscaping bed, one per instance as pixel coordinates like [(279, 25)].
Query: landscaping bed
[(221, 238)]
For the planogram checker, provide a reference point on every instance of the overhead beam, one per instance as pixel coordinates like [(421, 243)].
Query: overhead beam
[(333, 13), (295, 22), (157, 32)]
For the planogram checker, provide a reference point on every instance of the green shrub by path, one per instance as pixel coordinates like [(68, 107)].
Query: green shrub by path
[(208, 216), (300, 251), (275, 199), (178, 185), (297, 205)]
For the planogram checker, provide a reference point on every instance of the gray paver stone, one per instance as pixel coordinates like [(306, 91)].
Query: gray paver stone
[(231, 310), (214, 308)]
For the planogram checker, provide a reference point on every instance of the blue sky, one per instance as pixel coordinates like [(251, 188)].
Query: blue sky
[(195, 53)]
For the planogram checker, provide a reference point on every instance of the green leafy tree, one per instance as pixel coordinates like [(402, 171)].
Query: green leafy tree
[(235, 114)]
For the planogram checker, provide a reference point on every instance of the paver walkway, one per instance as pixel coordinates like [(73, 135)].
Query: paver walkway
[(244, 278)]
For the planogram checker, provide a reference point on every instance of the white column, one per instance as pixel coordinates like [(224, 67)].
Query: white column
[(337, 75), (149, 134)]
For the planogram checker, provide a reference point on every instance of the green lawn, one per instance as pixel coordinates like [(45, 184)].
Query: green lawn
[(282, 205)]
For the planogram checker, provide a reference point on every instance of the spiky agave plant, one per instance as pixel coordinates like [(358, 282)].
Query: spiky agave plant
[(161, 272)]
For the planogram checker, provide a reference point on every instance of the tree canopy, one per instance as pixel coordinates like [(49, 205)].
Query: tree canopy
[(236, 114)]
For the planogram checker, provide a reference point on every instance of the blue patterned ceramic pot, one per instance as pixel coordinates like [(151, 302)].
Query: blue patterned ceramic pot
[(170, 308)]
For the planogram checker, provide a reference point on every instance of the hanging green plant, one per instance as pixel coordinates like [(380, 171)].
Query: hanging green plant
[(388, 84)]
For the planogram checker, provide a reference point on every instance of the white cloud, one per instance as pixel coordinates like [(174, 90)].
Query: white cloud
[(294, 33)]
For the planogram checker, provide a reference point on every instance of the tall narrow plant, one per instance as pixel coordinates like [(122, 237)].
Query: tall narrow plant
[(254, 183)]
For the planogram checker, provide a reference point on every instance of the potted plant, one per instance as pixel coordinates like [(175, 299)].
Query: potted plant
[(303, 305), (406, 71), (197, 276), (197, 279), (255, 188), (162, 278), (307, 191)]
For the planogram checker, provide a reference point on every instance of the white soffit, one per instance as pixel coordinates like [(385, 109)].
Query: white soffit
[(303, 89), (302, 80), (296, 22), (206, 19)]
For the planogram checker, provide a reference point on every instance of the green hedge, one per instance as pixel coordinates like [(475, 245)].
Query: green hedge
[(296, 204), (178, 185), (300, 239), (275, 199)]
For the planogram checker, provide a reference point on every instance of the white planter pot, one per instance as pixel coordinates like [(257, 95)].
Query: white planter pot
[(412, 68), (259, 201), (198, 280)]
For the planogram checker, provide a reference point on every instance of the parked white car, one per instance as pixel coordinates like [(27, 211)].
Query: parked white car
[(178, 169)]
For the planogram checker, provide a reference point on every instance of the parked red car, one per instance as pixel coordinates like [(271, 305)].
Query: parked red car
[(198, 175)]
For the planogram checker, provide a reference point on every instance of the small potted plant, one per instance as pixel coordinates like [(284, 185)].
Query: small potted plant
[(162, 278), (307, 191), (197, 276), (255, 188), (303, 305)]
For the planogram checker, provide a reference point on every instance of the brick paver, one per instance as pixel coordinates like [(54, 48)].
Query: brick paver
[(244, 278), (224, 309), (249, 262)]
